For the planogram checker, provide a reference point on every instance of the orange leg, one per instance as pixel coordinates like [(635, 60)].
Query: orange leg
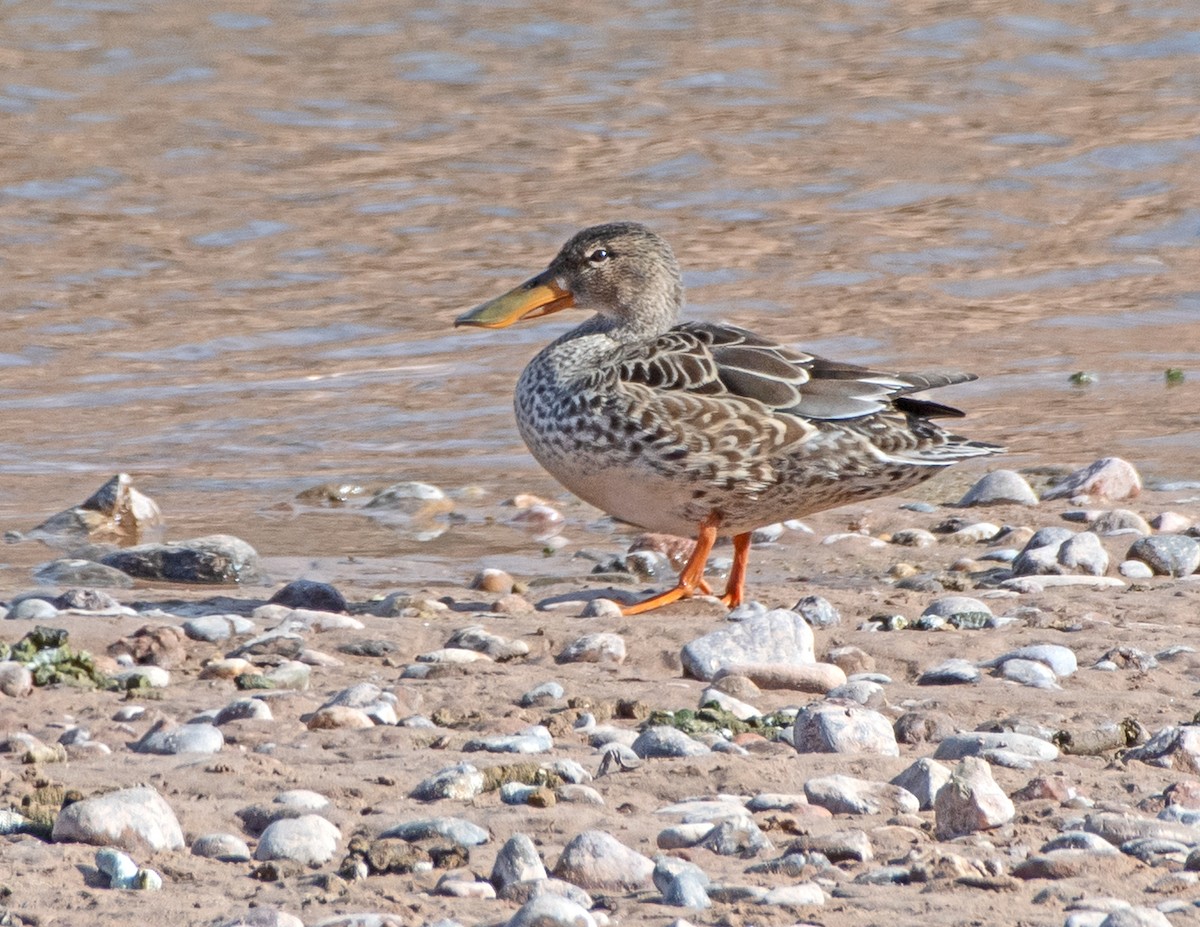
[(691, 579), (736, 587)]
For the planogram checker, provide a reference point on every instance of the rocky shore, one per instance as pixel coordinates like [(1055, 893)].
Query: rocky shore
[(975, 706)]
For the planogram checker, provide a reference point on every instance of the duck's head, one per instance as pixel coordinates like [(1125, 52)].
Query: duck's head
[(622, 271)]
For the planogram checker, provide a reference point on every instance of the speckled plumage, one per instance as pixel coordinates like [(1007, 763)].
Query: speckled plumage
[(669, 426)]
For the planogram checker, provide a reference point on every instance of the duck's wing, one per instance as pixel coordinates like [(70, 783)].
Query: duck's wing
[(724, 361)]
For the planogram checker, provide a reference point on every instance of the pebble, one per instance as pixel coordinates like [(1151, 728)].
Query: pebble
[(847, 795), (779, 637), (850, 845), (804, 677), (217, 558), (170, 738), (517, 861), (138, 820), (739, 709), (955, 606), (32, 609), (209, 628), (379, 706), (244, 709), (1135, 569), (983, 743), (124, 873), (227, 848), (305, 619), (951, 672), (817, 611), (971, 801), (16, 680), (683, 884), (1167, 554), (1109, 478), (457, 830), (804, 894), (975, 533), (1029, 673), (1084, 553), (863, 691), (831, 727), (308, 593), (534, 739), (601, 647), (1000, 487), (309, 839), (263, 917), (460, 782), (481, 640), (1057, 657), (736, 836), (913, 537), (662, 741), (1171, 522), (924, 779), (1115, 521), (547, 693), (1173, 747), (596, 860), (551, 911), (411, 498), (682, 836)]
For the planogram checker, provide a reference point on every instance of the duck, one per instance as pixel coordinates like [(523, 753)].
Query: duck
[(704, 429)]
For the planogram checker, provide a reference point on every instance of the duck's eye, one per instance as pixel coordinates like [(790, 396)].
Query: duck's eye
[(599, 256)]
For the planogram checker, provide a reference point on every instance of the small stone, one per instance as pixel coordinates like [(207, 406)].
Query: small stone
[(1000, 487), (602, 647), (1135, 569), (1084, 553), (460, 782), (920, 727), (218, 558), (310, 594), (1167, 554), (817, 612), (1110, 478), (541, 695), (481, 640), (952, 672), (339, 717), (953, 606), (983, 743), (736, 836), (850, 659), (914, 537), (308, 839), (739, 709), (805, 894), (1029, 673), (1173, 747), (836, 846), (667, 741), (1136, 917), (551, 911), (683, 884), (208, 628), (138, 820), (534, 739), (848, 795), (1170, 523), (597, 860), (924, 779), (518, 860), (1058, 658), (778, 637), (32, 609), (16, 681), (493, 581), (224, 847), (169, 738), (819, 678), (829, 727), (971, 801), (461, 832), (1116, 521), (412, 499), (244, 709), (116, 513)]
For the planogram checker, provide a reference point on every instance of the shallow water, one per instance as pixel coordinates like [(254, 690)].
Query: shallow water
[(232, 243)]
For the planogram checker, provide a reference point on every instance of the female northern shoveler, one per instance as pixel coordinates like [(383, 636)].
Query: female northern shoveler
[(703, 427)]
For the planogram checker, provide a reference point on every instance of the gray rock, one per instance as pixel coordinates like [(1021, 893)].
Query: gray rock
[(218, 558), (924, 779), (1167, 554), (481, 640), (458, 831), (535, 739), (410, 498), (545, 694), (1119, 520), (953, 606), (32, 609), (817, 612), (1059, 658), (601, 647), (1000, 487), (138, 820), (521, 892), (1119, 828), (683, 884), (308, 839), (169, 738), (307, 593), (551, 911), (1084, 553), (778, 637), (971, 801), (952, 672), (1029, 673), (210, 628), (16, 680), (378, 705), (227, 848), (1108, 478), (123, 872), (263, 917), (820, 849), (848, 795), (736, 836), (667, 741), (244, 709), (983, 743), (1136, 917), (1135, 569), (74, 572), (517, 861), (1039, 556), (832, 727), (597, 860), (864, 692), (1080, 840), (805, 894)]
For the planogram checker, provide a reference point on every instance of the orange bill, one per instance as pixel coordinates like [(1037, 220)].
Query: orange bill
[(533, 299)]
